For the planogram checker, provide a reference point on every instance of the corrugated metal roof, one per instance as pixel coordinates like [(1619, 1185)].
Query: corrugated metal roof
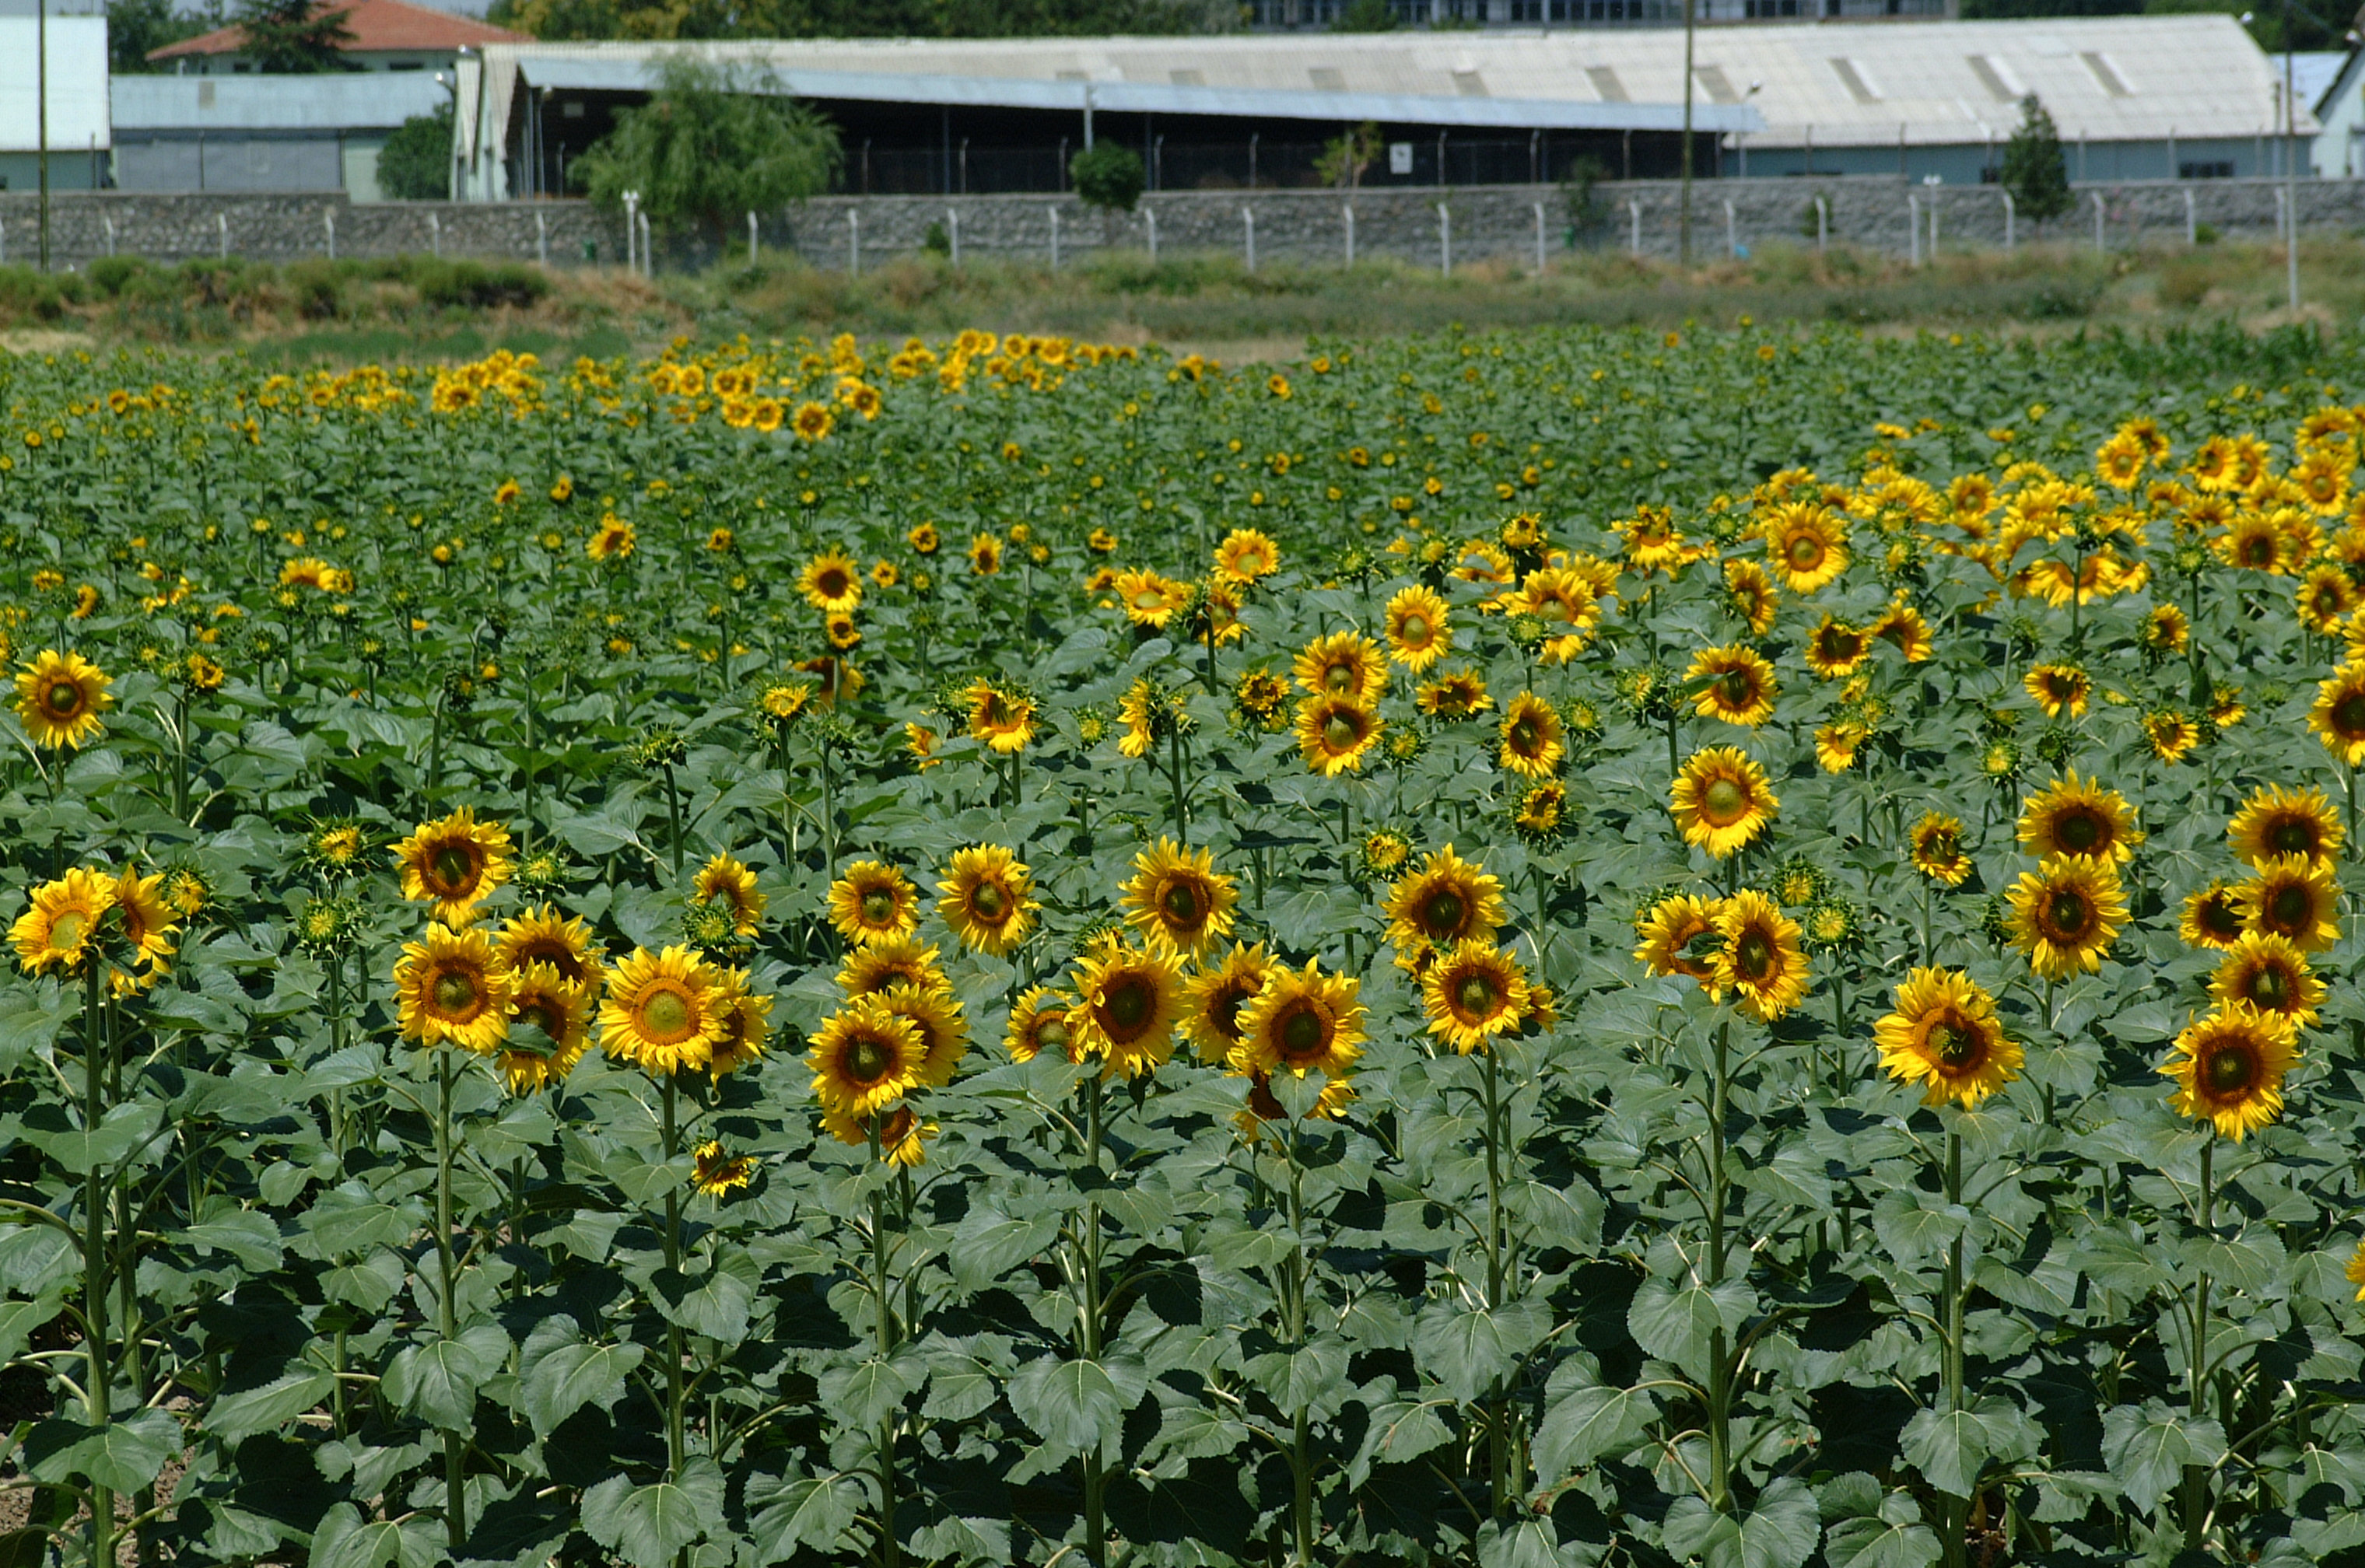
[(355, 100), (2108, 78), (77, 85)]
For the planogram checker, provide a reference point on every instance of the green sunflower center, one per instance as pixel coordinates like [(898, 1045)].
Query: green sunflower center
[(988, 902), (454, 991), (2349, 714), (539, 1015), (68, 928), (1524, 736), (878, 906), (1443, 913), (2293, 835), (1753, 956), (667, 1015), (1340, 731), (1805, 550), (1182, 905), (1338, 679), (2288, 906), (452, 865), (2068, 913), (867, 1059), (1052, 1034), (1736, 688), (2271, 987), (2080, 831), (63, 698), (1724, 802), (1302, 1034), (1415, 631), (1130, 1003), (2229, 1069)]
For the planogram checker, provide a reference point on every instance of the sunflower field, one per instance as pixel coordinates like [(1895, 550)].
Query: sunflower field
[(1726, 947)]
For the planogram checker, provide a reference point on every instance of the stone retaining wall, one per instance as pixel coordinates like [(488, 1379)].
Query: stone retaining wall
[(84, 226)]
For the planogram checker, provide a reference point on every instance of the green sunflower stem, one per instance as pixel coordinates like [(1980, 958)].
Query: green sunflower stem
[(1957, 1508), (673, 819), (1720, 1371), (1498, 1422), (891, 1548), (675, 1444), (455, 1474), (432, 785), (97, 1200), (2196, 1476), (1301, 1456), (1174, 773), (1089, 1316)]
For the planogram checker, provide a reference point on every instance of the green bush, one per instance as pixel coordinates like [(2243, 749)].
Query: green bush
[(1108, 175), (476, 286)]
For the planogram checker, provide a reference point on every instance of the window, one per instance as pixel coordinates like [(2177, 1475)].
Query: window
[(2207, 169), (1855, 79), (1995, 78), (2106, 74)]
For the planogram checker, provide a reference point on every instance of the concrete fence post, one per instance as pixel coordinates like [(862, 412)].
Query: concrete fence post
[(1348, 212), (434, 235), (1635, 212), (2282, 208), (1732, 232), (1823, 224), (2099, 242), (1247, 233), (631, 231), (854, 243), (221, 228), (1055, 239), (952, 231), (1934, 226), (1445, 239), (755, 238), (2191, 224), (2010, 214), (649, 254), (1150, 218), (540, 240), (1913, 229), (109, 224), (1540, 237), (329, 223)]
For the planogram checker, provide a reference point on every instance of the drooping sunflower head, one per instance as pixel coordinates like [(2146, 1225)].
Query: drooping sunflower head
[(2325, 597), (745, 1024), (1474, 991), (1212, 999), (865, 1058), (2171, 733), (149, 923), (1750, 594), (1334, 733), (832, 582), (1540, 813), (727, 884), (936, 1015), (1000, 718), (661, 1011), (986, 897), (1416, 628), (1757, 956), (1534, 741), (1722, 801), (2078, 817), (454, 863), (2065, 913), (2339, 716), (2294, 898), (1178, 898), (2212, 916), (2275, 821), (60, 932), (1734, 684), (1038, 1024), (60, 697), (2229, 1068), (1132, 997), (872, 903), (1454, 694), (550, 1029), (1444, 902), (889, 960), (1835, 650), (1668, 929), (1945, 1038), (1905, 628), (452, 988), (2270, 974), (2061, 689), (716, 1173), (1937, 848), (542, 935), (1301, 1022)]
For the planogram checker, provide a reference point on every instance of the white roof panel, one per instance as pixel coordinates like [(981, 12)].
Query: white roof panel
[(345, 100)]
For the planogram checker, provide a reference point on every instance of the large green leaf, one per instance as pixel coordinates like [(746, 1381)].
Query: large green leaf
[(647, 1525), (716, 1305), (1471, 1349), (436, 1380), (343, 1539), (126, 1454), (1076, 1406), (274, 1405), (807, 1513), (1780, 1532), (559, 1375), (1674, 1319), (2148, 1446)]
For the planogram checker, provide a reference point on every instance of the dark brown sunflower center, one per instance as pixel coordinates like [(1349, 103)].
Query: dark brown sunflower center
[(1524, 736), (989, 902), (1302, 1034), (1724, 802), (1129, 1005), (455, 991), (1753, 955), (1182, 905), (1939, 846), (2229, 1069), (63, 698), (1476, 995), (1224, 1011), (1736, 688), (2221, 918), (1952, 1046), (2079, 832), (1340, 731), (2068, 913), (540, 1016), (2271, 987), (832, 584), (2291, 837), (867, 1059), (2349, 714), (878, 906), (1443, 913), (2258, 552), (452, 865)]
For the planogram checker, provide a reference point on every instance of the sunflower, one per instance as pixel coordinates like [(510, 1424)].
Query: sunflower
[(1132, 997), (2170, 732), (2325, 598), (1333, 733), (1246, 554), (1178, 897), (2229, 1068), (1837, 743), (660, 1012), (1455, 694), (1807, 544), (725, 881), (1150, 598), (716, 1173), (936, 1016), (2061, 689), (1541, 812), (1534, 742), (832, 582), (746, 1021), (872, 903), (1416, 628), (1475, 992), (1443, 902), (865, 1058), (2270, 974), (2355, 1271), (1721, 801), (455, 862), (1301, 1022), (2212, 916), (2066, 912), (2074, 816), (554, 1016), (1560, 597), (541, 936), (451, 988), (56, 931), (1835, 649), (1733, 683), (1003, 720), (59, 697), (889, 960), (1903, 626), (1213, 998), (1938, 853), (1759, 958), (2275, 821), (2253, 543), (1264, 1107), (902, 1136), (1946, 1038), (986, 896), (1343, 665), (1750, 594), (2296, 898), (148, 925), (1038, 1023)]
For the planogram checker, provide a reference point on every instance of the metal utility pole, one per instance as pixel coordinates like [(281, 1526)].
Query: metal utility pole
[(41, 112), (1684, 215), (2290, 169)]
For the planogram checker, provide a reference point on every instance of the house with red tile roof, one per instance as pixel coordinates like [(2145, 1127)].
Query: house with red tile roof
[(387, 35)]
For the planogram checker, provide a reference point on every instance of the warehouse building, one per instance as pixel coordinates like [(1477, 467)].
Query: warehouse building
[(80, 137), (320, 132), (2135, 97)]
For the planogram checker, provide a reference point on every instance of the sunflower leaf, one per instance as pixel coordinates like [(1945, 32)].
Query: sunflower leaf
[(343, 1539), (1674, 1320), (1077, 1405), (1586, 1424), (810, 1512), (1780, 1532), (988, 1243), (1470, 1352), (559, 1375), (276, 1403), (436, 1381), (2147, 1447), (716, 1305), (125, 1454), (648, 1526)]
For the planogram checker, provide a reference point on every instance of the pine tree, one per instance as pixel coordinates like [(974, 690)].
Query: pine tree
[(2034, 170)]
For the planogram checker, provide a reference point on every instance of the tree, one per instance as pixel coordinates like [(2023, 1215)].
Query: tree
[(713, 144), (294, 37), (1344, 157), (661, 20), (1367, 16), (415, 164), (2035, 170), (136, 29), (1108, 175)]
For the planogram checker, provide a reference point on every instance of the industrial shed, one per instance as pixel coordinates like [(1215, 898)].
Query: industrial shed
[(264, 133), (79, 133)]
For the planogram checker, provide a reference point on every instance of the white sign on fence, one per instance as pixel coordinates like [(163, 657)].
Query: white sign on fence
[(1400, 157)]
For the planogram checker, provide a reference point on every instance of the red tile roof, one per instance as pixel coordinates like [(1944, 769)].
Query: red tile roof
[(377, 27)]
